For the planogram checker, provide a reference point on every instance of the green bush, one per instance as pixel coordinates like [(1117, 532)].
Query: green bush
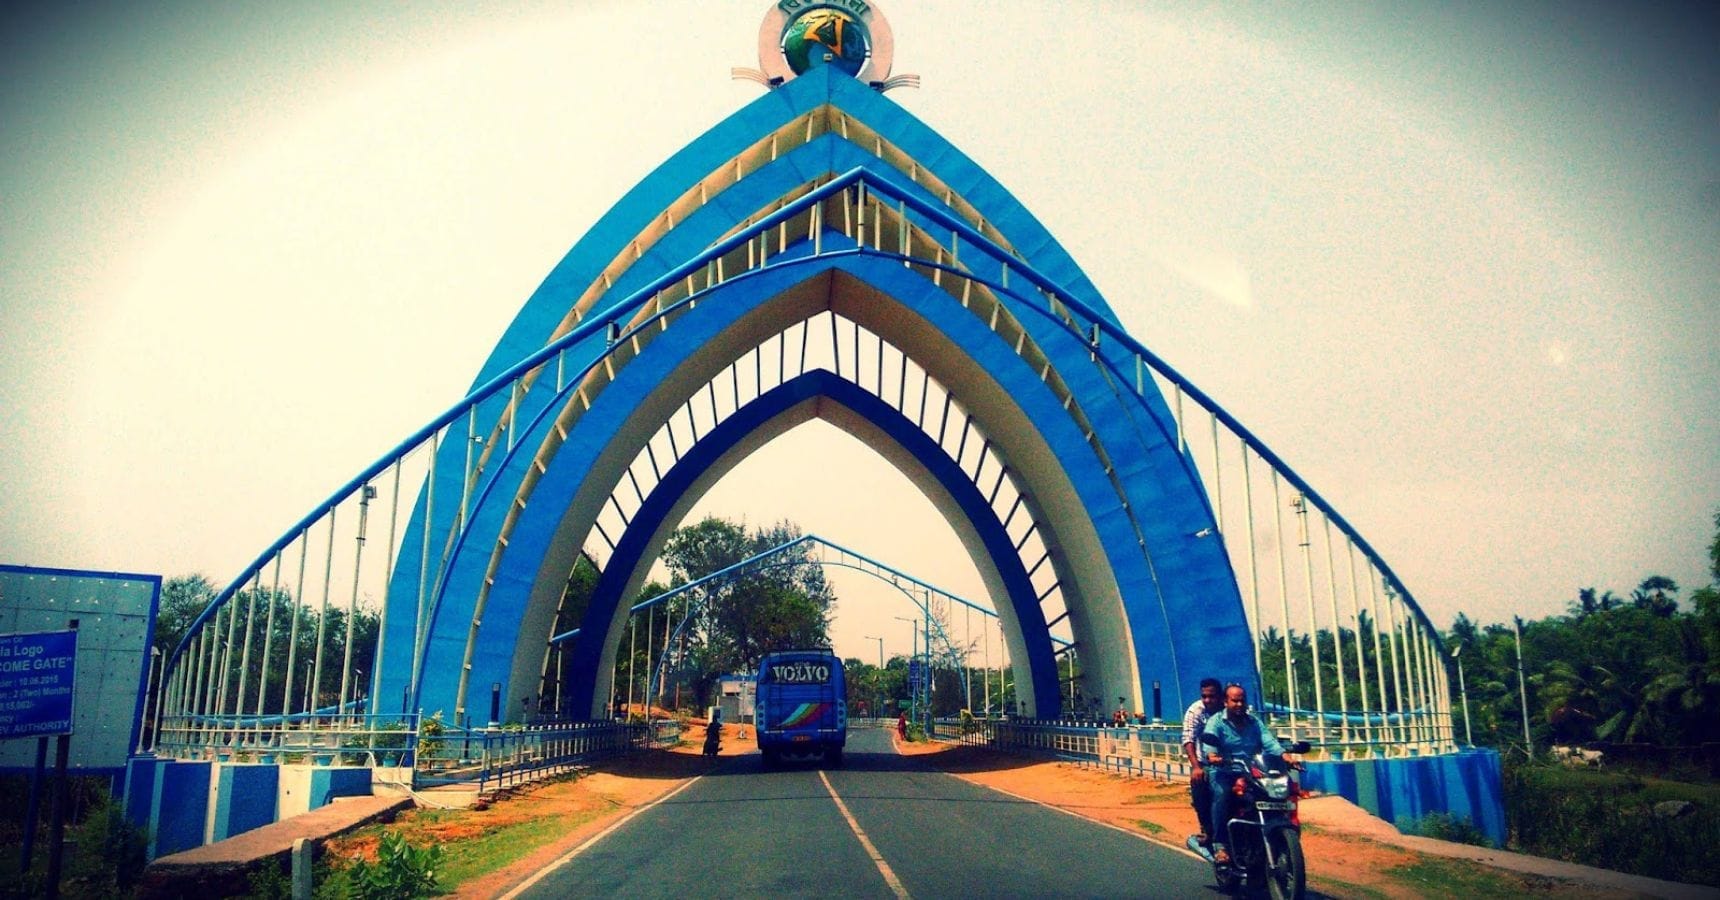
[(400, 870), (1447, 827), (1604, 819), (270, 881)]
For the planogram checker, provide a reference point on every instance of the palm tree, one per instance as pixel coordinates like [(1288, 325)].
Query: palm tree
[(1655, 594)]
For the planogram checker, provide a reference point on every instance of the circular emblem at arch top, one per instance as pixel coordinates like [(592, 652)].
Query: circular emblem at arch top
[(799, 36)]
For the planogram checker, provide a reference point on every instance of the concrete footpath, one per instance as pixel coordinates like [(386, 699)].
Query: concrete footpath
[(223, 869), (1340, 815)]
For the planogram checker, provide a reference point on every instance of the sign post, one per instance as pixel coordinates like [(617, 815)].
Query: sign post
[(37, 672)]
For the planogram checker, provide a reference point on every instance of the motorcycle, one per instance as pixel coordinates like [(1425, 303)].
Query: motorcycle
[(1265, 830), (713, 738)]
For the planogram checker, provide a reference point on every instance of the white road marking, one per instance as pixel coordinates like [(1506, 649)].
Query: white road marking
[(568, 857), (878, 858)]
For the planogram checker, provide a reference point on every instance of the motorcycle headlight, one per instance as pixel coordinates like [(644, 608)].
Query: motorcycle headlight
[(1276, 787)]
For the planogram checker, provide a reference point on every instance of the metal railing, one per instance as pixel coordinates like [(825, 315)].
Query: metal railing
[(497, 758), (316, 738), (1147, 751)]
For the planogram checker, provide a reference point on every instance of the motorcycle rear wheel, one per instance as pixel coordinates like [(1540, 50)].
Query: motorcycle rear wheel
[(1288, 878)]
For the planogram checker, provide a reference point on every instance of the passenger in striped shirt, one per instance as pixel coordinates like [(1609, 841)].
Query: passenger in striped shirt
[(1211, 703)]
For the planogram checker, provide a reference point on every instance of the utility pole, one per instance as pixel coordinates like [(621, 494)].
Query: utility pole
[(913, 694), (927, 643), (1522, 690), (1463, 692)]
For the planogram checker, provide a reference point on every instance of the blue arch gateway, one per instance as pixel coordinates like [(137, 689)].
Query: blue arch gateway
[(823, 254)]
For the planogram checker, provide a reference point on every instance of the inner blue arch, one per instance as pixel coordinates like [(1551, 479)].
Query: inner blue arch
[(775, 411), (1129, 528)]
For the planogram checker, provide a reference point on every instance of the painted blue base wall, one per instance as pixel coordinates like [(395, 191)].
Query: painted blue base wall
[(247, 798), (141, 774), (1464, 785), (327, 784), (171, 798), (180, 807)]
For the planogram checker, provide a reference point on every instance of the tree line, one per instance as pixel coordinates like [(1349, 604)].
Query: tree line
[(185, 597), (1641, 668), (1637, 668)]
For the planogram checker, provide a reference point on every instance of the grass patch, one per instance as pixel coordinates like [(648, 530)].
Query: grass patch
[(1434, 877), (1150, 827), (476, 843), (1341, 888)]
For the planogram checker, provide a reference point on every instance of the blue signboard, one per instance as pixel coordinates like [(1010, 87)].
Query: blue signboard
[(916, 674), (36, 674)]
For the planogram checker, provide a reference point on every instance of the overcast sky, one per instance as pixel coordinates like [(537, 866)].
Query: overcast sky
[(1455, 263)]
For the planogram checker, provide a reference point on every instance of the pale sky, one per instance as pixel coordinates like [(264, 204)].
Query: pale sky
[(1455, 263)]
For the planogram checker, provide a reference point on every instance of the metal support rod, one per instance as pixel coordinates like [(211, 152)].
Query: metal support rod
[(1412, 663), (211, 673), (1379, 657), (1463, 693), (269, 635), (1284, 603), (1307, 543), (1397, 667), (419, 610), (1217, 474), (293, 630), (322, 615), (158, 669), (365, 493), (245, 657), (194, 690), (472, 439), (1253, 569), (1337, 636), (387, 575), (1361, 658), (227, 657)]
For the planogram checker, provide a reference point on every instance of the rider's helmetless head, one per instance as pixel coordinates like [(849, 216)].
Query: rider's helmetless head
[(1211, 695), (1235, 701)]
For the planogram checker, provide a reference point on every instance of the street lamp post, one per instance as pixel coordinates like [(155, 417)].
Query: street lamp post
[(1463, 692), (913, 692), (1522, 690), (878, 683)]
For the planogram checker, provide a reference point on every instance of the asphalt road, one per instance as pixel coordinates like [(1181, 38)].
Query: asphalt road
[(744, 831)]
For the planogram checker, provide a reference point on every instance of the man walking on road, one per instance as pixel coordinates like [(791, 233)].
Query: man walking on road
[(1194, 722)]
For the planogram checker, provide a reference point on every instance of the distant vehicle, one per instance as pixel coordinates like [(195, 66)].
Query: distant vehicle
[(802, 706)]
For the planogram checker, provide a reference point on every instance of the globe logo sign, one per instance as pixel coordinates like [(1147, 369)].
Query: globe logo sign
[(825, 36), (852, 37)]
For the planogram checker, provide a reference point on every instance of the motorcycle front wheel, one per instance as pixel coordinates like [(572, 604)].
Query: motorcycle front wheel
[(1288, 879)]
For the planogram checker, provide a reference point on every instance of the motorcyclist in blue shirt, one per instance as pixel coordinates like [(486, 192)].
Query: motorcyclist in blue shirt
[(1238, 734)]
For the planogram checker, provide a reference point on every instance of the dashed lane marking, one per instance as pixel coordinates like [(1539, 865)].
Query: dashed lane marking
[(878, 858)]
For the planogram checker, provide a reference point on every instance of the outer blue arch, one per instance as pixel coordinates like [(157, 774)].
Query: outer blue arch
[(1161, 487)]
